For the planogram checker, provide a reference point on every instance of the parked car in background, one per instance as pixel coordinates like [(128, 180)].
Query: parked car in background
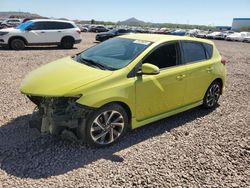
[(27, 19), (41, 32), (98, 29), (178, 32), (162, 31), (110, 34), (153, 30), (223, 35), (213, 34), (84, 29), (192, 32), (227, 33), (238, 36), (246, 39), (110, 27), (11, 22), (202, 34), (220, 36), (124, 83)]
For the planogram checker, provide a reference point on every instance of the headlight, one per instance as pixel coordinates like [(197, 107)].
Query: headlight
[(3, 33)]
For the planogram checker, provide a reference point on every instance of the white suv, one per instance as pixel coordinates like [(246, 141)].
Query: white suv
[(41, 32), (10, 23)]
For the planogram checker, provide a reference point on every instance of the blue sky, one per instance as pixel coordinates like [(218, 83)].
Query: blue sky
[(205, 12)]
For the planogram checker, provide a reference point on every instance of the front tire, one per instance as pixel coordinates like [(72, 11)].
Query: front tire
[(17, 44), (212, 95), (104, 126)]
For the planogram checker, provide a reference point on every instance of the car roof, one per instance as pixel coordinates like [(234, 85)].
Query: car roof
[(51, 20), (162, 38)]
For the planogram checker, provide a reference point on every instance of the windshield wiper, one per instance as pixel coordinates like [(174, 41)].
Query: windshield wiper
[(92, 63)]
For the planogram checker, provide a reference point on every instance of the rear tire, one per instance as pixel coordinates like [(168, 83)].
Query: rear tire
[(104, 126), (67, 43), (212, 95), (17, 44)]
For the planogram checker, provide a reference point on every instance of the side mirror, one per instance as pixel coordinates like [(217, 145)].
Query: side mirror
[(149, 69), (28, 29)]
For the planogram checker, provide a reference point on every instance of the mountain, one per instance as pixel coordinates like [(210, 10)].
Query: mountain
[(133, 22), (12, 14)]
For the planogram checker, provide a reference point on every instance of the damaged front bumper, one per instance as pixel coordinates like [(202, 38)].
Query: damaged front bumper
[(56, 114)]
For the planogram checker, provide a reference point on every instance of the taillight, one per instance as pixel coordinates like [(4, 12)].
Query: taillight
[(223, 61), (78, 31)]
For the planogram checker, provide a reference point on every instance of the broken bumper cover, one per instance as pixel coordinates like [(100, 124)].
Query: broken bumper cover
[(56, 113)]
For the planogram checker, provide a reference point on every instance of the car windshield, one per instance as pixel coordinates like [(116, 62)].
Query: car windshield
[(24, 25), (113, 54)]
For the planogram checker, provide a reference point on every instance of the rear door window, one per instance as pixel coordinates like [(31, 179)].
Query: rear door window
[(57, 25), (193, 51), (49, 25)]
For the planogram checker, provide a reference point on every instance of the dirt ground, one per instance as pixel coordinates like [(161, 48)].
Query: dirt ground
[(197, 148)]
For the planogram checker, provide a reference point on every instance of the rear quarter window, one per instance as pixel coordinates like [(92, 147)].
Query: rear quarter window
[(209, 50), (193, 51), (66, 26)]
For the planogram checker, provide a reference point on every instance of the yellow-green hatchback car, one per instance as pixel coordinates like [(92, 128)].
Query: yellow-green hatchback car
[(124, 83)]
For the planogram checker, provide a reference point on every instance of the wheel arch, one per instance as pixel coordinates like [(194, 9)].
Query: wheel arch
[(17, 37), (220, 81), (125, 107), (68, 36)]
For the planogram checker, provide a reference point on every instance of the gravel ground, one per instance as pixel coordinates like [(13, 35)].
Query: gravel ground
[(198, 148)]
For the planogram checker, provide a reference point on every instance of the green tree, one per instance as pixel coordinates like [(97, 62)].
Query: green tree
[(92, 21)]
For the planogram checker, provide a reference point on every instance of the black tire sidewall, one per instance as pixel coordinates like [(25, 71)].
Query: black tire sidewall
[(20, 41), (67, 43), (84, 131), (205, 97)]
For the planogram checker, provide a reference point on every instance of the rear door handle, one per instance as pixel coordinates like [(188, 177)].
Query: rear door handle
[(59, 31), (209, 69), (43, 32), (180, 77)]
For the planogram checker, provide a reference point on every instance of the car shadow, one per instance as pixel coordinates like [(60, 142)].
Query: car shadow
[(28, 48), (25, 153)]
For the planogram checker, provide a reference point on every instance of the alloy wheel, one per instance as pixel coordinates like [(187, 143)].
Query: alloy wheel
[(213, 95), (107, 127)]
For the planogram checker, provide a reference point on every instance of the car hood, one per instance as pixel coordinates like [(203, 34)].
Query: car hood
[(60, 77)]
